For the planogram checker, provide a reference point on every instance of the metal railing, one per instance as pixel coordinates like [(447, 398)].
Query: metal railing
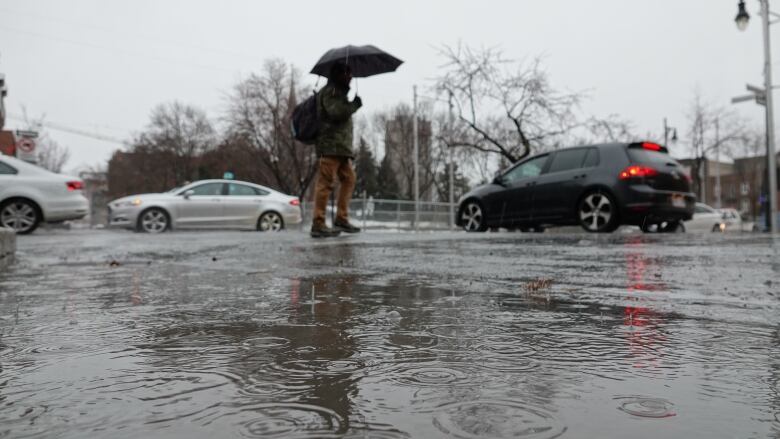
[(370, 213)]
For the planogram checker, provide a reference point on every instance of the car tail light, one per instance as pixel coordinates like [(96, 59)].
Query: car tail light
[(637, 172), (652, 146), (75, 185), (295, 202)]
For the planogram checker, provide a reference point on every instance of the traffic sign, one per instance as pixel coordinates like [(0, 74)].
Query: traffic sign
[(26, 145)]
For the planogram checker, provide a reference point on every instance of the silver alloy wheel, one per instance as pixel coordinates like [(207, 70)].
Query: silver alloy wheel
[(596, 212), (19, 215), (472, 218), (270, 222), (154, 221)]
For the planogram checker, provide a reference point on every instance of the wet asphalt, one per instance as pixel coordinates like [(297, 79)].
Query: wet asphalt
[(383, 334)]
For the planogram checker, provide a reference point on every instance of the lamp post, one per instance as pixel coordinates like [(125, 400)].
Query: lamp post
[(667, 130), (742, 20)]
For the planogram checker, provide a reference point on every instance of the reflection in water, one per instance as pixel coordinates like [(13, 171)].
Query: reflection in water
[(645, 340)]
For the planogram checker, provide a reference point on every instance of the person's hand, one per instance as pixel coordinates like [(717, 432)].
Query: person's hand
[(357, 101)]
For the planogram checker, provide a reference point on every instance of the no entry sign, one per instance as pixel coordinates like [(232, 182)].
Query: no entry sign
[(26, 145)]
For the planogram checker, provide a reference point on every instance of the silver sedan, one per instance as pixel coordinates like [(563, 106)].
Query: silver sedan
[(207, 204)]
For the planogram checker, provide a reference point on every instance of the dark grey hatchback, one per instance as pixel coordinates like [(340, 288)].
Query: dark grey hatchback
[(599, 187)]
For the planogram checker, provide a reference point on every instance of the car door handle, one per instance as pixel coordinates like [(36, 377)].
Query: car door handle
[(532, 183)]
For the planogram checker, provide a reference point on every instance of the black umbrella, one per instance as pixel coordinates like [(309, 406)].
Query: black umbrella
[(364, 60)]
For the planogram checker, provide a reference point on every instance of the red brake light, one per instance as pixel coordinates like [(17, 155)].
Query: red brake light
[(295, 202), (75, 185), (637, 172), (652, 146)]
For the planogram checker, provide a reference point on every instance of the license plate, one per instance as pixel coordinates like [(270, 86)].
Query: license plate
[(678, 201)]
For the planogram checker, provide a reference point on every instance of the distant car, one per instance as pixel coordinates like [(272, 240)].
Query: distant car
[(733, 221), (598, 187), (705, 219), (207, 204), (30, 195)]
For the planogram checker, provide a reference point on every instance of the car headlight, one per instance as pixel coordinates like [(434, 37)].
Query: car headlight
[(128, 203)]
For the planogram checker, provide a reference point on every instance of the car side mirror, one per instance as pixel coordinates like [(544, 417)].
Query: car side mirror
[(188, 194), (498, 179)]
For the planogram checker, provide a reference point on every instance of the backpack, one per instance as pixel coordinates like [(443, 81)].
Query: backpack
[(305, 121)]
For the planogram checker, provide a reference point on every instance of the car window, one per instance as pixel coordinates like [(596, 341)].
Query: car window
[(647, 157), (700, 208), (567, 160), (531, 168), (242, 190), (208, 189), (7, 169), (592, 158)]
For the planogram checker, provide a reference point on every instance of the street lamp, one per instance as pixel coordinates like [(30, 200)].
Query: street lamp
[(742, 20), (742, 17), (667, 130)]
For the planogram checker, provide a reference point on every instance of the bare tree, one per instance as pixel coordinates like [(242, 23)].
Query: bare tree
[(711, 127), (508, 108), (259, 110), (180, 132), (50, 154)]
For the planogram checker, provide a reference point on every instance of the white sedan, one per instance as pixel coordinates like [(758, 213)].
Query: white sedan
[(30, 195), (207, 204), (708, 219)]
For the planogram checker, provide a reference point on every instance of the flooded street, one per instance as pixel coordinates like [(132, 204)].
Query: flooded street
[(252, 335)]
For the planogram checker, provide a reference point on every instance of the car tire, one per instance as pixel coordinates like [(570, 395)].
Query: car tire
[(153, 220), (673, 227), (270, 222), (597, 212), (21, 215), (472, 216)]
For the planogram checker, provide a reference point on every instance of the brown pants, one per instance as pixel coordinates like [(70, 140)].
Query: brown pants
[(331, 168)]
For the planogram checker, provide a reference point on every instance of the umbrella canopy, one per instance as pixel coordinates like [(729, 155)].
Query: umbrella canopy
[(363, 60)]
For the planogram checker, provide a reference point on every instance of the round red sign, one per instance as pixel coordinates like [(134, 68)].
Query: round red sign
[(26, 145)]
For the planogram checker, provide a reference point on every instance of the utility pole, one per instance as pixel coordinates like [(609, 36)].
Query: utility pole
[(770, 121), (452, 167), (718, 198), (416, 165), (704, 166)]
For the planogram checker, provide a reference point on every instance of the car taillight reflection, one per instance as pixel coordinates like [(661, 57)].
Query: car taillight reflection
[(637, 172), (75, 185)]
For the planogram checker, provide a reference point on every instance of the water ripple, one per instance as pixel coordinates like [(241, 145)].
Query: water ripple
[(496, 419)]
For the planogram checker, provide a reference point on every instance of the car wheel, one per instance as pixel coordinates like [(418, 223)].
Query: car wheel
[(270, 222), (20, 215), (473, 217), (673, 227), (153, 220), (716, 228), (597, 213)]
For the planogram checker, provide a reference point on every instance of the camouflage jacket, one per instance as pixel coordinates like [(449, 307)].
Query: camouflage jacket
[(335, 136)]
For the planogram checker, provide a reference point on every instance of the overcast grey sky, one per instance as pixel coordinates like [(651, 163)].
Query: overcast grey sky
[(100, 66)]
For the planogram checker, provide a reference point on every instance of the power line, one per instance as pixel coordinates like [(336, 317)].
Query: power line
[(76, 131)]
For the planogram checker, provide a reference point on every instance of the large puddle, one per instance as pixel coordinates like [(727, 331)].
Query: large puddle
[(135, 350)]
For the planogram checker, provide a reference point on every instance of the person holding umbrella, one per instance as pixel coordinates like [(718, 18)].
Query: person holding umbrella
[(334, 149), (334, 137)]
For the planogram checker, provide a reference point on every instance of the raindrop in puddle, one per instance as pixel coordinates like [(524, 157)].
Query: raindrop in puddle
[(646, 407), (496, 419), (432, 376)]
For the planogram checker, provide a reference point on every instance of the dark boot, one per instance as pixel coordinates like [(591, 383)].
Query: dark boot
[(324, 232), (345, 226)]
